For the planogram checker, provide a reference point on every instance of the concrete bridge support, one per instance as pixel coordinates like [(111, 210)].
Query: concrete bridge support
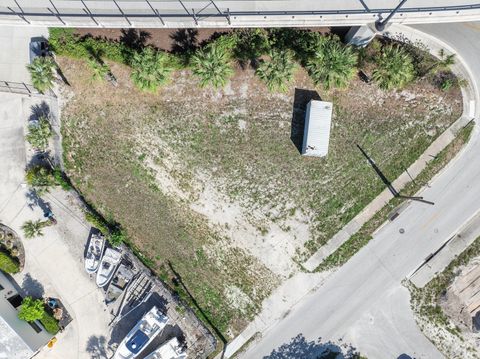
[(361, 35)]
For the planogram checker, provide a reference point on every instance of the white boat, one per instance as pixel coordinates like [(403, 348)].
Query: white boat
[(96, 245), (141, 335), (110, 260), (169, 350)]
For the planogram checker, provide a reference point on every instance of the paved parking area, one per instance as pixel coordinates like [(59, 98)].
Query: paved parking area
[(54, 262)]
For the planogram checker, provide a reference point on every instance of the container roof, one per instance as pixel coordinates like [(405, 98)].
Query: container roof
[(317, 128)]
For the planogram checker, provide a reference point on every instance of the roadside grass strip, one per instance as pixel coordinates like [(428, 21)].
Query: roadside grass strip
[(364, 235)]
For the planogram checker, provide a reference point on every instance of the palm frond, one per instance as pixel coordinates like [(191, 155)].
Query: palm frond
[(212, 66), (333, 64), (278, 71), (42, 73), (394, 69), (151, 69)]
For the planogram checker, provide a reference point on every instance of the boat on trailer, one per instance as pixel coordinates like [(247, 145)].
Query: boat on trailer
[(96, 245), (142, 334), (109, 263), (168, 350), (119, 282)]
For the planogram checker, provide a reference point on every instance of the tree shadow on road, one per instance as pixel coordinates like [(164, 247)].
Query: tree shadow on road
[(32, 287), (33, 200), (97, 347), (299, 347)]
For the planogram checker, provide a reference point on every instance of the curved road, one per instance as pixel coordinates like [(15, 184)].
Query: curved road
[(363, 303)]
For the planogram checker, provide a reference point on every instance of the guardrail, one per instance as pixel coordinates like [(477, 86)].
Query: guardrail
[(96, 12)]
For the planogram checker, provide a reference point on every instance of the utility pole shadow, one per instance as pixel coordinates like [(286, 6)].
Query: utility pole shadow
[(389, 185)]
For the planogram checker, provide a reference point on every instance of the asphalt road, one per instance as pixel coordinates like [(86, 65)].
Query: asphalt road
[(363, 303)]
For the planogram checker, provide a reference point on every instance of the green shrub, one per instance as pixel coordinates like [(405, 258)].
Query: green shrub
[(8, 264), (150, 69), (394, 68), (31, 309), (42, 73), (107, 49), (61, 179), (251, 44), (302, 42), (212, 66), (65, 42), (97, 222), (225, 43), (117, 237), (39, 134), (40, 178), (333, 64), (99, 69), (49, 323), (278, 71), (447, 84), (443, 63)]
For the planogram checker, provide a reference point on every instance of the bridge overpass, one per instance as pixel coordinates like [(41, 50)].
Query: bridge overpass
[(233, 13)]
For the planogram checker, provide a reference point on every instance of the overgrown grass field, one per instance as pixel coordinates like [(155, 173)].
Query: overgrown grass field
[(240, 140)]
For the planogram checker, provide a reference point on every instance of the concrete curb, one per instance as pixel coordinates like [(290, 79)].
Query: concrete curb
[(470, 97)]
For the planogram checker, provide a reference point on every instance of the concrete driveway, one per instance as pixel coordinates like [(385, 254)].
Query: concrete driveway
[(54, 262), (15, 52)]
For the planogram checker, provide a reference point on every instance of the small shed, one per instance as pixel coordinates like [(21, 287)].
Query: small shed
[(316, 135)]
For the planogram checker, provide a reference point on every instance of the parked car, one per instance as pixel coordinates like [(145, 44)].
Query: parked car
[(38, 48)]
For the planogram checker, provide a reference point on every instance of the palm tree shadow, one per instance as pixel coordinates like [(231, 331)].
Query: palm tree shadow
[(184, 41), (301, 98), (134, 39), (97, 347), (299, 347)]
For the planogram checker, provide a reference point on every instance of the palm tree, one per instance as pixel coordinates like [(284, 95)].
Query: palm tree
[(42, 73), (251, 44), (278, 71), (40, 178), (150, 69), (39, 134), (333, 64), (33, 229), (100, 69), (212, 66), (394, 68), (442, 64)]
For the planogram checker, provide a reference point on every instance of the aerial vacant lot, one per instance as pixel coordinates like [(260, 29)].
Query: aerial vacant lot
[(211, 181)]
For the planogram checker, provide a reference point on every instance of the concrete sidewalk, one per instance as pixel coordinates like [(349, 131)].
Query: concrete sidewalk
[(15, 54), (469, 108), (446, 253)]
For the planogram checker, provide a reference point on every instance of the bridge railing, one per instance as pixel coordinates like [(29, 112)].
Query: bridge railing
[(98, 13)]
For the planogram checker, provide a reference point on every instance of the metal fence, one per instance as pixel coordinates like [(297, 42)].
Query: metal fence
[(23, 89)]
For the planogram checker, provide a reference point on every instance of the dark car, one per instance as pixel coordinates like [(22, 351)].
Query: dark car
[(38, 48)]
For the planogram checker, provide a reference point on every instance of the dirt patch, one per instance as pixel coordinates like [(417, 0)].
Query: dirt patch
[(174, 40)]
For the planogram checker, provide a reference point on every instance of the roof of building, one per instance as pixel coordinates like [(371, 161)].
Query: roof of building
[(18, 339), (11, 344), (316, 135)]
